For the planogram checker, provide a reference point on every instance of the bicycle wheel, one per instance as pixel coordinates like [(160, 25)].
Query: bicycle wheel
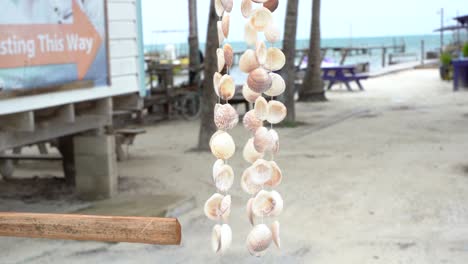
[(191, 106)]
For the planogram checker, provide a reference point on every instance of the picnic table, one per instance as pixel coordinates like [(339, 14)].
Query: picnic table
[(342, 74), (460, 72)]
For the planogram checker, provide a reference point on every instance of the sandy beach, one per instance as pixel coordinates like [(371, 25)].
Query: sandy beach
[(379, 176)]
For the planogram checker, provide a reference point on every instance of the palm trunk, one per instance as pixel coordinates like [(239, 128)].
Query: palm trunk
[(207, 126), (289, 48), (312, 88), (193, 43)]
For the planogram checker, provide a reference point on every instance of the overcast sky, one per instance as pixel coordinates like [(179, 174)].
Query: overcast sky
[(340, 18)]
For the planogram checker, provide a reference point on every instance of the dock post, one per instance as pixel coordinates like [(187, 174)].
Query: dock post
[(423, 57), (384, 57)]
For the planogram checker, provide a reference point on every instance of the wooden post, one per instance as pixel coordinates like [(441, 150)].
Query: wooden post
[(423, 56), (384, 57), (148, 230)]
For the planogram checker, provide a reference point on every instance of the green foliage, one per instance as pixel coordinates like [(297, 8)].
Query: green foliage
[(465, 50), (446, 58)]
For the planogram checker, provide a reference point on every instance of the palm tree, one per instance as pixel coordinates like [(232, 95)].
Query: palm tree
[(289, 48), (193, 43), (207, 126), (312, 88)]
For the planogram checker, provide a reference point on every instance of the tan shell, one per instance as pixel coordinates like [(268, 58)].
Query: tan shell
[(221, 37), (260, 172), (221, 238), (261, 108), (222, 145), (267, 204), (276, 112), (219, 8), (275, 137), (250, 153), (216, 81), (228, 55), (221, 60), (225, 116), (250, 214), (250, 35), (272, 33), (213, 208), (227, 87), (251, 121), (271, 5), (259, 80), (261, 52), (276, 177), (249, 95), (278, 86), (258, 240), (275, 230), (248, 61), (246, 183), (260, 19), (275, 59), (246, 8), (227, 4), (225, 24)]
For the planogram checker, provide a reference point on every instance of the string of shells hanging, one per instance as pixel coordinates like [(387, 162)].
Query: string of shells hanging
[(218, 206)]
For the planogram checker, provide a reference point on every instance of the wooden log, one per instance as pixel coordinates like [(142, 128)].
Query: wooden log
[(148, 230)]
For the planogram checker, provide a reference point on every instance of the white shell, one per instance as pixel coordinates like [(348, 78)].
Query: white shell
[(259, 80), (248, 61), (219, 8), (260, 172), (250, 153), (223, 177), (225, 204), (250, 214), (263, 140), (275, 137), (261, 108), (267, 204), (275, 231), (212, 207), (227, 4), (216, 81), (276, 177), (247, 184), (261, 52), (225, 24), (251, 121), (246, 8), (221, 37), (250, 34), (216, 166), (259, 239), (260, 19), (222, 145), (225, 116), (276, 112), (227, 87), (226, 238), (275, 59), (221, 60), (272, 33), (216, 238), (278, 85), (248, 94)]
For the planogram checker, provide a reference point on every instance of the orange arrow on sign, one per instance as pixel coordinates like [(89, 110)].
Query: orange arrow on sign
[(47, 44)]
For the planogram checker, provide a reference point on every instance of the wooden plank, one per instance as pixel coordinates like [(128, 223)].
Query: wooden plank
[(148, 230), (29, 157), (18, 122)]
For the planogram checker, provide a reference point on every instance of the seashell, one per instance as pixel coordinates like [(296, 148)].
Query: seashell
[(278, 85), (260, 1), (263, 140), (212, 207), (219, 8), (276, 112), (251, 121), (275, 231), (225, 24), (250, 214), (261, 108), (267, 204), (227, 5), (271, 5), (227, 87), (221, 37), (225, 116), (225, 204), (248, 94), (216, 238), (228, 55), (248, 61), (216, 81), (260, 19), (261, 52), (275, 59), (258, 240), (246, 8), (260, 172), (223, 177), (216, 166), (275, 137), (276, 177), (222, 145), (221, 60), (226, 238), (259, 80), (250, 153), (272, 33), (250, 34), (247, 184)]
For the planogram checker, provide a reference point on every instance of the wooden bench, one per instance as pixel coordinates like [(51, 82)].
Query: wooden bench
[(125, 137)]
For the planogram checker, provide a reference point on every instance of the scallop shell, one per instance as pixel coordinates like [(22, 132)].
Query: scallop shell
[(226, 238), (276, 112), (261, 52), (227, 4), (246, 8), (224, 178), (246, 183), (219, 8), (271, 5), (216, 166), (228, 55), (260, 172), (225, 116), (276, 177), (250, 214), (222, 145), (260, 19), (267, 204), (251, 121), (275, 146), (259, 80), (259, 239), (225, 24), (261, 108), (275, 230), (250, 153), (216, 238), (278, 85), (221, 60), (227, 87), (216, 81), (275, 59), (248, 61), (225, 204), (272, 33), (249, 95), (212, 207), (263, 140), (250, 34), (221, 37)]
